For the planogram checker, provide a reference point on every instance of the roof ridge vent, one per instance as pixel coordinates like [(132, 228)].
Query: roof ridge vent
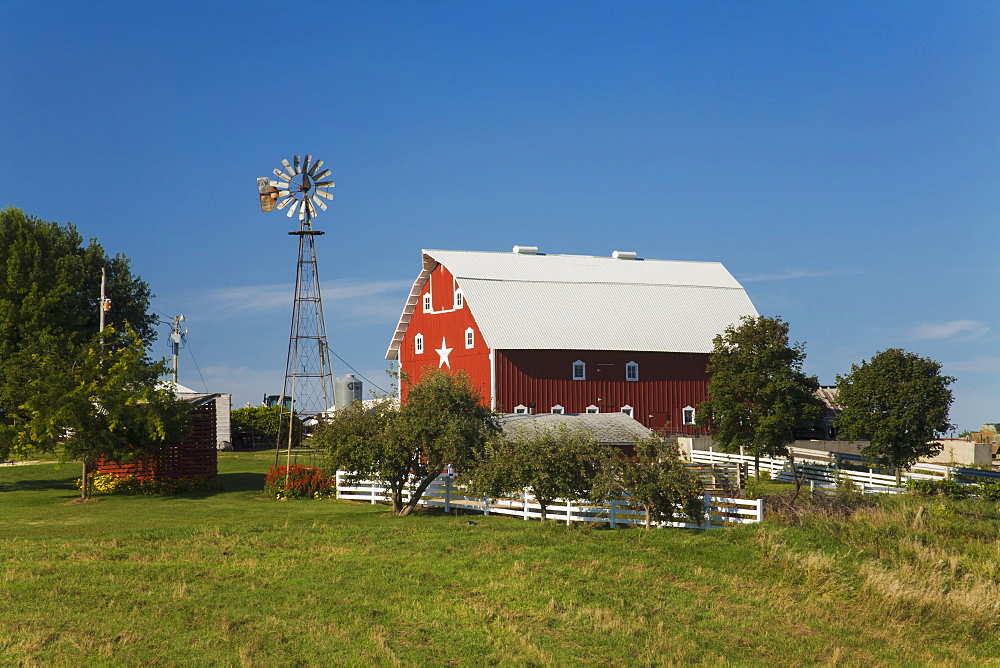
[(623, 255), (528, 250)]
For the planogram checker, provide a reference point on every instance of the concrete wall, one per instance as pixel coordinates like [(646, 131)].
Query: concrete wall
[(961, 451)]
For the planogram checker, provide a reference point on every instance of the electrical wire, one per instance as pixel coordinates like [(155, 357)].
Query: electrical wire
[(188, 346), (358, 373)]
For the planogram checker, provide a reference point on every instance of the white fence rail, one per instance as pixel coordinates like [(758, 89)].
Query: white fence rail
[(445, 493), (822, 470)]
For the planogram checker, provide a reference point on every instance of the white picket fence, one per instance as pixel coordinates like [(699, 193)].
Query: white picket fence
[(823, 470), (445, 493)]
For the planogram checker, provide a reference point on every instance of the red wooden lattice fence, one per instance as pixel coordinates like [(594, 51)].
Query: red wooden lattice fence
[(194, 456)]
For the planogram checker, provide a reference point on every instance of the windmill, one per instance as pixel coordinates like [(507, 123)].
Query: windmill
[(308, 388)]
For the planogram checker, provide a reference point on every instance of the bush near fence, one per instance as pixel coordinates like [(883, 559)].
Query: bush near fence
[(445, 493)]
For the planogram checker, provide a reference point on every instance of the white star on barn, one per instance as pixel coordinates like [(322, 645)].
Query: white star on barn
[(443, 352)]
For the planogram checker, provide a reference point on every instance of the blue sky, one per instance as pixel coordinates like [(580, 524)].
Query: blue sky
[(842, 159)]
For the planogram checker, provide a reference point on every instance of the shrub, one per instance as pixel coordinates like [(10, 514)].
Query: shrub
[(945, 487), (754, 488), (299, 482), (109, 483), (988, 490)]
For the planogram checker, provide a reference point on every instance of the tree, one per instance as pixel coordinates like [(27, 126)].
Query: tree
[(106, 403), (269, 421), (898, 402), (49, 291), (443, 423), (360, 439), (656, 479), (758, 394), (552, 463)]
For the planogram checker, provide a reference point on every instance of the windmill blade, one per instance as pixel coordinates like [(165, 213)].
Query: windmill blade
[(282, 204), (295, 162), (312, 209), (323, 193), (281, 175), (315, 167), (284, 193), (291, 209), (279, 184), (302, 211), (288, 166), (322, 175), (324, 184), (305, 164), (320, 203)]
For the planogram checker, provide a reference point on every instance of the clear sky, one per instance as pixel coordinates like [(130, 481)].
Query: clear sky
[(842, 159)]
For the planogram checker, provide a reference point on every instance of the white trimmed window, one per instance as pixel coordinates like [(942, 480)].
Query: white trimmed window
[(459, 299), (632, 371), (593, 409), (688, 416), (470, 338), (427, 303), (558, 410), (418, 343), (520, 409), (627, 410), (579, 370)]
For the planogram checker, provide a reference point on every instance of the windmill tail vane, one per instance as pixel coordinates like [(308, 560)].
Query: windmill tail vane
[(300, 186)]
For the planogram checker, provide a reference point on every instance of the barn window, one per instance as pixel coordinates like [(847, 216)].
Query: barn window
[(558, 410), (579, 370), (459, 300), (632, 371), (470, 338), (593, 409), (688, 414), (520, 409), (418, 343), (427, 303), (627, 410)]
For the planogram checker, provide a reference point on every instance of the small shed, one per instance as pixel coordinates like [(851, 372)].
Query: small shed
[(195, 456), (223, 410)]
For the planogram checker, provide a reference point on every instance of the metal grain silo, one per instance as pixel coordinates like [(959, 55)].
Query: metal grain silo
[(347, 390)]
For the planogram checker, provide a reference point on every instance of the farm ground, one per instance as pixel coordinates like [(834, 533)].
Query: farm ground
[(235, 578)]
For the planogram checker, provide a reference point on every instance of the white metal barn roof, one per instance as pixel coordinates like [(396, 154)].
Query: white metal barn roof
[(580, 302), (616, 428)]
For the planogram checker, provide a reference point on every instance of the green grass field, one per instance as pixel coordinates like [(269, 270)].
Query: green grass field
[(234, 578)]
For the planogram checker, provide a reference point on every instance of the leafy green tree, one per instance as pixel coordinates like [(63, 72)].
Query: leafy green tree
[(106, 403), (656, 479), (758, 393), (898, 402), (49, 292), (361, 440), (442, 423), (267, 421), (552, 464)]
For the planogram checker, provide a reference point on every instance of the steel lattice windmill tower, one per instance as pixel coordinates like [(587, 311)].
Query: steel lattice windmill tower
[(308, 378)]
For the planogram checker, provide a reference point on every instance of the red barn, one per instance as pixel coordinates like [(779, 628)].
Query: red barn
[(542, 333)]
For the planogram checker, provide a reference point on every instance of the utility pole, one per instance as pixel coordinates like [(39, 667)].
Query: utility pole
[(105, 304), (175, 341)]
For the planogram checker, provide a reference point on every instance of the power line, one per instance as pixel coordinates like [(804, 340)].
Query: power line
[(188, 346), (358, 373)]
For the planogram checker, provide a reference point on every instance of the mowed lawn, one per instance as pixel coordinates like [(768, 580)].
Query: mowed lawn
[(235, 578)]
